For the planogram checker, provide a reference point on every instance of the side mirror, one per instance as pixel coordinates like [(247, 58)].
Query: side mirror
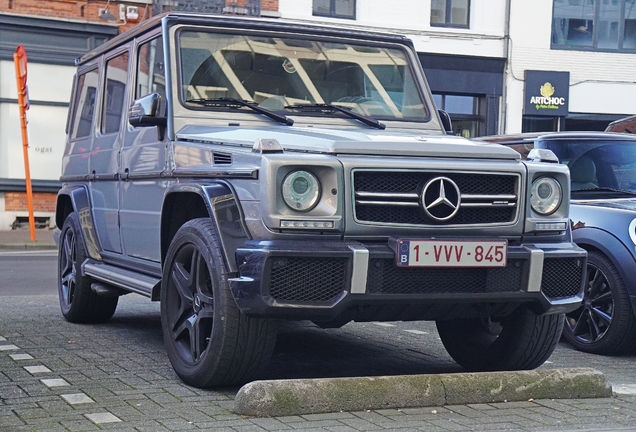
[(145, 111), (446, 121)]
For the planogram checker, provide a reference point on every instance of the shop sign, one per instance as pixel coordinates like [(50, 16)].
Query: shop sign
[(547, 93)]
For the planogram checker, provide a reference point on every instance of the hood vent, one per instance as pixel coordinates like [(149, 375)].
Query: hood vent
[(222, 158)]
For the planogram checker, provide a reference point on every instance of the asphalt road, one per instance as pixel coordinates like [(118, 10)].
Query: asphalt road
[(28, 272), (125, 359)]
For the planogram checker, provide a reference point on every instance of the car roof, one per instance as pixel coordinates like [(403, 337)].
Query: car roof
[(553, 136), (245, 23)]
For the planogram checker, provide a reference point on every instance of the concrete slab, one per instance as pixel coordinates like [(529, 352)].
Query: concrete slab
[(310, 396)]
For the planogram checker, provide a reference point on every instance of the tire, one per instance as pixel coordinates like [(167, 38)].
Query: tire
[(521, 341), (605, 322), (78, 302), (209, 341)]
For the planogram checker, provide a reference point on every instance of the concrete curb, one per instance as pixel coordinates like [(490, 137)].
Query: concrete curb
[(28, 246), (278, 398)]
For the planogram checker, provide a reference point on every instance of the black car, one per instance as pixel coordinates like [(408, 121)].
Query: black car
[(603, 217)]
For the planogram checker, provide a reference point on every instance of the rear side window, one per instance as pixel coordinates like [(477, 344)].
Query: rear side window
[(116, 76), (84, 105)]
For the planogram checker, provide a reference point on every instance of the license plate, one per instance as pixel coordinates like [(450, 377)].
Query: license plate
[(452, 253)]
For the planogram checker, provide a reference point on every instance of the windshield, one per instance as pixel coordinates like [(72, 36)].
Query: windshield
[(276, 73), (597, 164)]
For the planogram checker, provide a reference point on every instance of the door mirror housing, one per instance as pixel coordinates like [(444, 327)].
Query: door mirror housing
[(146, 111), (446, 121)]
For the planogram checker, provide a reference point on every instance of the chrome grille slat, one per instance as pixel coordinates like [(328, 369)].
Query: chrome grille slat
[(394, 197)]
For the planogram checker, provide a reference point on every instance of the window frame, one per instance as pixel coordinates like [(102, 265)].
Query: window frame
[(595, 36), (447, 23), (332, 11), (104, 89)]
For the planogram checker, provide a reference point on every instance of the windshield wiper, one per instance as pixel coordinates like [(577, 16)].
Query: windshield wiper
[(605, 189), (370, 121), (225, 102)]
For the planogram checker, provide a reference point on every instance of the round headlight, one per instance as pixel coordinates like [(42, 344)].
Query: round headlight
[(301, 190), (545, 195)]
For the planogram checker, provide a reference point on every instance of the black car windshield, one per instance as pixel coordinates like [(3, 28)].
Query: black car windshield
[(279, 72), (597, 164)]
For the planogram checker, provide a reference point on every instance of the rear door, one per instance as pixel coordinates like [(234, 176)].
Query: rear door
[(104, 158)]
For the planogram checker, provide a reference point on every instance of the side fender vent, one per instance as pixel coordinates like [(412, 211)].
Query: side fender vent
[(222, 158)]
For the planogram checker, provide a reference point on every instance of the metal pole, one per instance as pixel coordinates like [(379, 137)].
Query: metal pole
[(20, 60)]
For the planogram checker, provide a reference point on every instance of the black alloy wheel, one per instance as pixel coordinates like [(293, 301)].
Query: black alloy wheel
[(190, 304), (605, 322), (79, 304), (209, 341)]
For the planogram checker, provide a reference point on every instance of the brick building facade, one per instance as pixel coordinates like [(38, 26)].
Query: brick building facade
[(54, 33)]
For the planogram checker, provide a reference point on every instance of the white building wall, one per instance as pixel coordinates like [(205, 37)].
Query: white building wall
[(600, 82), (46, 124), (412, 18)]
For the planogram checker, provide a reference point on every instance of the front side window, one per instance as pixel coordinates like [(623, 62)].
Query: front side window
[(150, 69), (114, 98), (335, 8), (450, 13), (594, 25), (293, 75)]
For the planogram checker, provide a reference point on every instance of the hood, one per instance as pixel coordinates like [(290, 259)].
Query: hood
[(360, 142)]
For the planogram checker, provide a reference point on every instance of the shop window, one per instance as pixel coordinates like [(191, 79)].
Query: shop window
[(539, 124), (465, 112), (608, 25), (116, 77), (450, 13), (335, 8)]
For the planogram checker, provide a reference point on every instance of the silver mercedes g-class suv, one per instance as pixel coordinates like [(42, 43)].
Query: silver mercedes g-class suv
[(244, 171)]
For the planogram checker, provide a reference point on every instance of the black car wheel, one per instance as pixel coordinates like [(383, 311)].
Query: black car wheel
[(78, 302), (209, 341), (520, 341), (605, 322)]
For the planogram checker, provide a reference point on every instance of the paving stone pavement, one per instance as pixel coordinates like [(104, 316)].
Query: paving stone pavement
[(58, 376)]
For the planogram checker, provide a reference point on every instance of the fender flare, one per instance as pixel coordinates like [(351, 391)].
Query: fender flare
[(76, 198), (219, 203)]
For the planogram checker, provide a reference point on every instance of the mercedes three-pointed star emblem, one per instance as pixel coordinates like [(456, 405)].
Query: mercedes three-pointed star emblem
[(441, 198)]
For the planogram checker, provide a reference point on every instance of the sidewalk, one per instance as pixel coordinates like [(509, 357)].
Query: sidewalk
[(20, 239)]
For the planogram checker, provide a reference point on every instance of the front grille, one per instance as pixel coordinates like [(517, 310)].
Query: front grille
[(394, 197), (307, 279), (387, 278), (561, 277)]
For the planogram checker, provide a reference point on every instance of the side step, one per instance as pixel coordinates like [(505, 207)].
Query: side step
[(121, 278)]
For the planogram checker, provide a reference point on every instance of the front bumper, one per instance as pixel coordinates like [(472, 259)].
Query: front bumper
[(326, 281)]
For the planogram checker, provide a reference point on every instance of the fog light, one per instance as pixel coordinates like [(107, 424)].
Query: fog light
[(551, 226), (304, 224)]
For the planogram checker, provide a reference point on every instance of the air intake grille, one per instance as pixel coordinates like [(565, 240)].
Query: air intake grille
[(307, 279), (394, 197), (222, 158), (561, 277), (386, 278)]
